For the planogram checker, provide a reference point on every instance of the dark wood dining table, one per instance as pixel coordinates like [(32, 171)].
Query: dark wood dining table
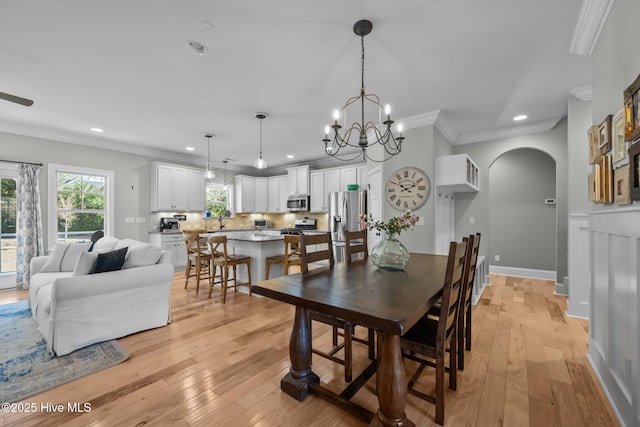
[(388, 301)]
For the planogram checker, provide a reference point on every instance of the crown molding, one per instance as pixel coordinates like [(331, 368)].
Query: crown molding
[(443, 124), (420, 120), (509, 132), (582, 93), (593, 15)]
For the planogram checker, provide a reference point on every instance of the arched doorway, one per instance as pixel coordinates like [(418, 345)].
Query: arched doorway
[(522, 214)]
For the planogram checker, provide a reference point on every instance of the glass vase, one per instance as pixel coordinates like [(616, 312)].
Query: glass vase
[(390, 254)]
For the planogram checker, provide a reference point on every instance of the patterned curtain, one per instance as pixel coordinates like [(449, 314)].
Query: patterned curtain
[(29, 222)]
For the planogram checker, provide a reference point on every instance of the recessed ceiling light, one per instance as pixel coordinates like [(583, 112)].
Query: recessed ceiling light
[(195, 47), (290, 156), (520, 117), (97, 130), (189, 148)]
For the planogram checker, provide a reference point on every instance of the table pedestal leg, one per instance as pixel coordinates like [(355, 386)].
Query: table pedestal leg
[(297, 383), (390, 383)]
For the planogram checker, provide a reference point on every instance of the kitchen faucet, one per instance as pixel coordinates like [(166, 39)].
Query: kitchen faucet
[(220, 221)]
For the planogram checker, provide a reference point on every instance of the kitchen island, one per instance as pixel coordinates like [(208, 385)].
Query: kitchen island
[(258, 245)]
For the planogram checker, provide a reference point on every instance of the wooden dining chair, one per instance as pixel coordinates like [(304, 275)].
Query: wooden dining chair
[(356, 243), (464, 318), (324, 252), (223, 259), (429, 339), (198, 259), (288, 259)]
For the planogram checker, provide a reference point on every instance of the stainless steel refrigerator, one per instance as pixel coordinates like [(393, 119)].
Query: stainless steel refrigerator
[(345, 208)]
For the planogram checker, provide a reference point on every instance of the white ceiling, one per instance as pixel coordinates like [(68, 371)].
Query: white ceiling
[(124, 67)]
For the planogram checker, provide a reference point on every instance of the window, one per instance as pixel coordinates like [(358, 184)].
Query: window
[(219, 200), (81, 201), (7, 221)]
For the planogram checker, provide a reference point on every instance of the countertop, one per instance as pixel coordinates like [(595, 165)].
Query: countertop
[(247, 234)]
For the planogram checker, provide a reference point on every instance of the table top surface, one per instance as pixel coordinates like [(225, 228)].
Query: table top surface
[(388, 301)]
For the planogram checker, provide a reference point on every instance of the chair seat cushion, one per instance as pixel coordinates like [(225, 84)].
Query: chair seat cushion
[(422, 333)]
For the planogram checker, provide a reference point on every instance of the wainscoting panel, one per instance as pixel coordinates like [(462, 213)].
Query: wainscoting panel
[(579, 277), (614, 240)]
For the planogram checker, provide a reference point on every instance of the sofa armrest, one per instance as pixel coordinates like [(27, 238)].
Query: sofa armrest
[(37, 263), (90, 285)]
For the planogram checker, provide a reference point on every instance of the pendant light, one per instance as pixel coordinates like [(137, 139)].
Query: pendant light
[(260, 163), (209, 173), (225, 161)]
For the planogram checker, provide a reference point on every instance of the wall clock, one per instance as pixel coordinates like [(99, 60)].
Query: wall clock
[(408, 188)]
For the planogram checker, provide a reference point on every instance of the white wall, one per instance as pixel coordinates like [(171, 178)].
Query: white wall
[(614, 232)]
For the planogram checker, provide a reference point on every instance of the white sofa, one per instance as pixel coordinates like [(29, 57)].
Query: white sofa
[(74, 309)]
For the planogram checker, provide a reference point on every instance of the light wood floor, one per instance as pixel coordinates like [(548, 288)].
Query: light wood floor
[(218, 365)]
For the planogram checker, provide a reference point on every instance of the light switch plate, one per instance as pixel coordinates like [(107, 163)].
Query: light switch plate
[(129, 220)]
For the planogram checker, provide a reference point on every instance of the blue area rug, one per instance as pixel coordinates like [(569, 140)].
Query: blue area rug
[(28, 368)]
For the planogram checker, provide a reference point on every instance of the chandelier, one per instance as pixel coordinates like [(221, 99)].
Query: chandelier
[(378, 133)]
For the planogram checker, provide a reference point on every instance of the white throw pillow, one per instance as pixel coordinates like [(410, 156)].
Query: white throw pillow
[(141, 254), (86, 263), (64, 257), (105, 244)]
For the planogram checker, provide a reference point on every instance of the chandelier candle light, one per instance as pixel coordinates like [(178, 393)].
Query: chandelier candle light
[(260, 163), (381, 134)]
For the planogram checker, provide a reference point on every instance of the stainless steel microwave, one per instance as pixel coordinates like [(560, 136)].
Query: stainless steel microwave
[(298, 203)]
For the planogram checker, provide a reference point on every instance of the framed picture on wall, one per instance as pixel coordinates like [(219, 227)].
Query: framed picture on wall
[(597, 171), (592, 186), (620, 145), (594, 144), (606, 180), (604, 134), (632, 110), (634, 171), (621, 186)]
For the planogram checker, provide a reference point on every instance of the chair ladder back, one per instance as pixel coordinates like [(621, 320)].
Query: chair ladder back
[(307, 240), (470, 274), (451, 292), (360, 247)]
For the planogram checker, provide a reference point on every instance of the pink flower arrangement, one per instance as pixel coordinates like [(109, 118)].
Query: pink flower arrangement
[(397, 224)]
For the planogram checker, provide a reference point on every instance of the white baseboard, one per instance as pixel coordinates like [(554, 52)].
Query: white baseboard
[(523, 272)]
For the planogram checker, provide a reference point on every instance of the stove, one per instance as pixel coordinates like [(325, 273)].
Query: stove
[(300, 225)]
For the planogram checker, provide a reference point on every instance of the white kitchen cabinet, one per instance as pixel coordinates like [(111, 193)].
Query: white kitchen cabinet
[(261, 203), (298, 180), (317, 195), (332, 183), (278, 193), (195, 190), (176, 188), (348, 175), (457, 173), (174, 243), (245, 190), (363, 177)]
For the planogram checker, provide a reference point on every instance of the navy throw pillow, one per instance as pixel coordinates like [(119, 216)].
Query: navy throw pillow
[(110, 261)]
